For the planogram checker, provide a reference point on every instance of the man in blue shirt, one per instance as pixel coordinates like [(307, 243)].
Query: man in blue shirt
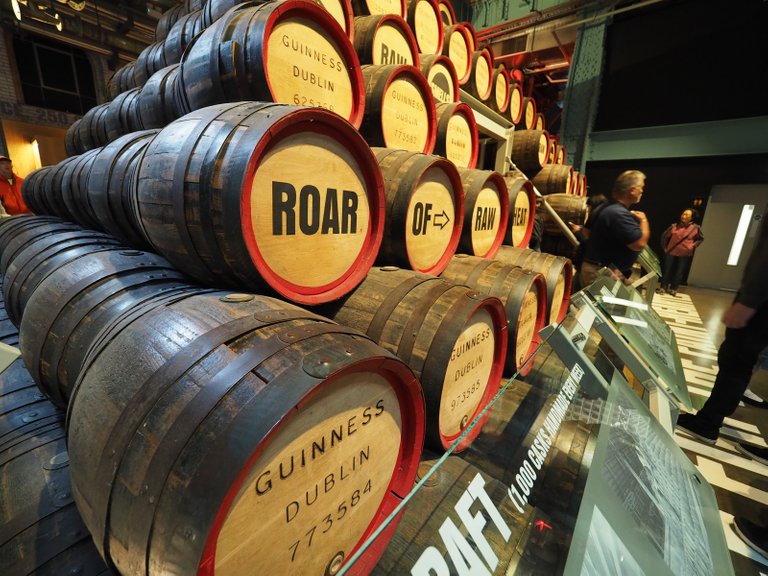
[(616, 234)]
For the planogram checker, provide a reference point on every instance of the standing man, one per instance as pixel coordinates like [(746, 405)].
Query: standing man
[(10, 189), (617, 234), (746, 335)]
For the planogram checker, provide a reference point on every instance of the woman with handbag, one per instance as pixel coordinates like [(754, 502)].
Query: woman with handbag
[(679, 241)]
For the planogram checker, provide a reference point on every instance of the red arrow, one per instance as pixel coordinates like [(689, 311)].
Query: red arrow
[(540, 524)]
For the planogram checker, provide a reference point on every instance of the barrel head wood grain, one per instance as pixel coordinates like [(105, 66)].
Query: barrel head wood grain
[(425, 21)]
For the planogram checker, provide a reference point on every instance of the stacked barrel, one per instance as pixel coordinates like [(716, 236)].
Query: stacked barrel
[(255, 159)]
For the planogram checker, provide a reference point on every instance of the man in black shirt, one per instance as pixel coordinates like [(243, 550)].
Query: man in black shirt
[(617, 234)]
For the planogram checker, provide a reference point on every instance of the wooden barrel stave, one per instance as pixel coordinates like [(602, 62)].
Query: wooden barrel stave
[(554, 179), (570, 208), (529, 150), (236, 379), (385, 39)]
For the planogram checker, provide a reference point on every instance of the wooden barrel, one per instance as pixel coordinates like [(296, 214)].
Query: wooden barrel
[(457, 137), (457, 45), (425, 202), (53, 198), (562, 155), (424, 19), (557, 272), (14, 233), (112, 186), (121, 80), (570, 208), (575, 183), (72, 143), (42, 531), (341, 11), (89, 293), (486, 212), (523, 293), (167, 20), (515, 110), (367, 7), (522, 209), (288, 51), (559, 246), (480, 81), (181, 34), (530, 149), (44, 250), (263, 419), (385, 39), (554, 179), (453, 338), (151, 59), (529, 113), (552, 154), (447, 15), (92, 128), (123, 115), (472, 36), (157, 99), (399, 109), (441, 77), (74, 189), (264, 195), (583, 185), (501, 93), (33, 190), (540, 123)]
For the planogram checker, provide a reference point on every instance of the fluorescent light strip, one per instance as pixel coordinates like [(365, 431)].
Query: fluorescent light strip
[(741, 234)]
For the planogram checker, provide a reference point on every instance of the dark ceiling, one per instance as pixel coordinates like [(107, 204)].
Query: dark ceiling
[(119, 30)]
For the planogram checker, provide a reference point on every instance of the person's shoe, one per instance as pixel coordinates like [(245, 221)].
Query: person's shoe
[(660, 290), (672, 292), (753, 400), (754, 452), (693, 426), (754, 535)]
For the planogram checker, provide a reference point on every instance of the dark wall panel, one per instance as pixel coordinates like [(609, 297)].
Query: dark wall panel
[(684, 61)]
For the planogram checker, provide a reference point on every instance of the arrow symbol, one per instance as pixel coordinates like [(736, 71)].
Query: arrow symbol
[(441, 223), (541, 525)]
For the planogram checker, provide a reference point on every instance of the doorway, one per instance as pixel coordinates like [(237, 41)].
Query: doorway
[(730, 226)]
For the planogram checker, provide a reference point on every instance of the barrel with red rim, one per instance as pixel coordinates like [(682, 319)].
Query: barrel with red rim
[(458, 47), (441, 77), (530, 149), (486, 212), (515, 109), (245, 427), (452, 337), (554, 179), (522, 209), (425, 202), (480, 81), (368, 7), (288, 51), (424, 19), (264, 195), (457, 137), (399, 109), (385, 39), (501, 92), (523, 293)]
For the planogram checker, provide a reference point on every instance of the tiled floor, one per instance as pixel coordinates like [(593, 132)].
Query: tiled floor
[(740, 484)]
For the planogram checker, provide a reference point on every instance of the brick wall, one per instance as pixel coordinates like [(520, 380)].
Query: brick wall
[(7, 69)]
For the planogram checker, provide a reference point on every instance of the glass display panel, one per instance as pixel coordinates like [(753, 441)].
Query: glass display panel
[(648, 260), (644, 329), (521, 498)]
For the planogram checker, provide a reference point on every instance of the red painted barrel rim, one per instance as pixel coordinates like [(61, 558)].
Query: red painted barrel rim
[(495, 309), (449, 8), (426, 94), (436, 7), (465, 110), (448, 63), (498, 179), (331, 27), (462, 29), (472, 34), (514, 86), (322, 121), (408, 391), (502, 69), (458, 196), (403, 26), (485, 53)]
